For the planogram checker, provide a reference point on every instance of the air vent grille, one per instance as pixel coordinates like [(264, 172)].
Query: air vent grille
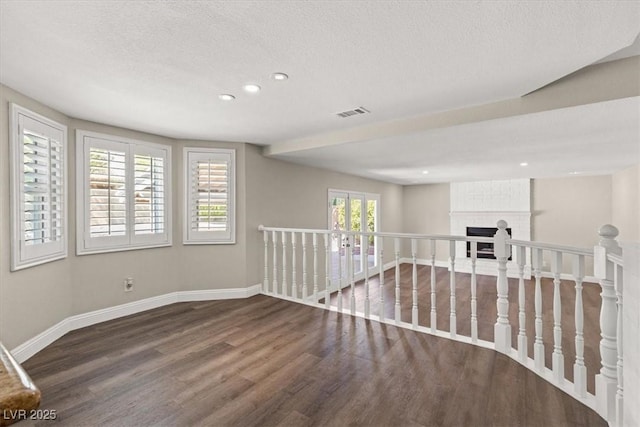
[(354, 112)]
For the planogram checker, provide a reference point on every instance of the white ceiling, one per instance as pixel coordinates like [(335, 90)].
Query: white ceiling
[(590, 139), (160, 66)]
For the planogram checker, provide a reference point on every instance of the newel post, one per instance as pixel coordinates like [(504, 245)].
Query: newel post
[(606, 380), (502, 252)]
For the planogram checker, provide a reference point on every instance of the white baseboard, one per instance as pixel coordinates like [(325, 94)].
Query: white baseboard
[(218, 294), (30, 347), (423, 261)]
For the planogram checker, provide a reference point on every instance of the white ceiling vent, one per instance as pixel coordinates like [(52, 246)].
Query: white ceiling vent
[(354, 112)]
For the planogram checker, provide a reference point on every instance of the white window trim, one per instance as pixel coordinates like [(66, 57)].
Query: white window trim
[(86, 245), (20, 259), (208, 238)]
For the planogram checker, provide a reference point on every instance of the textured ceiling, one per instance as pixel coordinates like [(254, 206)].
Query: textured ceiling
[(159, 66), (590, 139)]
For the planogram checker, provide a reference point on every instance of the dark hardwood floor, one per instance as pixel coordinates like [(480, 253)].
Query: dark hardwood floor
[(267, 362), (487, 312)]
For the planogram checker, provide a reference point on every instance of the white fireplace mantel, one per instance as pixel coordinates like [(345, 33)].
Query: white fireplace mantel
[(483, 204)]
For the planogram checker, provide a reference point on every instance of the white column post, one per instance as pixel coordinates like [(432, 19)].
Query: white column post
[(474, 298), (328, 272), (522, 318), (284, 264), (397, 254), (294, 284), (381, 277), (414, 281), (502, 251), (265, 282), (538, 346), (274, 238), (314, 242), (453, 324), (579, 369), (305, 289), (340, 275), (607, 379), (351, 272), (432, 244), (618, 281), (557, 358), (364, 254)]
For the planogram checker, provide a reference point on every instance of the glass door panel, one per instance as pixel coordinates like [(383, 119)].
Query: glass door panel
[(356, 219), (372, 220), (338, 214)]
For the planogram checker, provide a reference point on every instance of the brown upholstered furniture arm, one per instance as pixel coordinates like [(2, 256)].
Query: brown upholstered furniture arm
[(18, 394)]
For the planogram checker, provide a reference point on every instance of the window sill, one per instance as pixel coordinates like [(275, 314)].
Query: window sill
[(94, 251)]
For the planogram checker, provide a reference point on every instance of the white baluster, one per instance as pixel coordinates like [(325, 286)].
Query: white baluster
[(397, 255), (579, 369), (453, 324), (314, 242), (294, 284), (538, 346), (365, 256), (607, 379), (305, 290), (620, 392), (340, 275), (432, 244), (522, 318), (474, 298), (502, 251), (414, 279), (557, 360), (284, 264), (274, 238), (265, 283), (381, 277), (328, 267), (351, 273)]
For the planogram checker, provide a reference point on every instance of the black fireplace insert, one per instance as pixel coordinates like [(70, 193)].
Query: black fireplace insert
[(485, 250)]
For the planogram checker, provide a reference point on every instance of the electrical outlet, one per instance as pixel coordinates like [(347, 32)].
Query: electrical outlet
[(128, 284)]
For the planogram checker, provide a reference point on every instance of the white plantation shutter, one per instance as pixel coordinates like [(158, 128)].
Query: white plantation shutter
[(123, 193), (210, 195), (107, 192), (39, 195), (149, 194)]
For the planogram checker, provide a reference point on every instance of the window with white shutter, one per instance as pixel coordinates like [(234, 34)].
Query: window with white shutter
[(39, 196), (209, 196), (124, 199)]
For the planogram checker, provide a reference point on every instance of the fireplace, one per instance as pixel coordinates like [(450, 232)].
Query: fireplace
[(485, 250)]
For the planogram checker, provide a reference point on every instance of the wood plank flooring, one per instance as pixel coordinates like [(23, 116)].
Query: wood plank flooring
[(267, 362), (487, 313)]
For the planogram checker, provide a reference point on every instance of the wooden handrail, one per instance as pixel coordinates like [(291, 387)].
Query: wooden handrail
[(18, 394)]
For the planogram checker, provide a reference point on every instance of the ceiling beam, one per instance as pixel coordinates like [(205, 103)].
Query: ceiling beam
[(595, 83)]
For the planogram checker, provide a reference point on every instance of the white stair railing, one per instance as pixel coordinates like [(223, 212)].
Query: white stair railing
[(345, 268), (608, 269)]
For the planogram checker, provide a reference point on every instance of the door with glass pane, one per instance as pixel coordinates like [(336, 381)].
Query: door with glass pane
[(352, 211)]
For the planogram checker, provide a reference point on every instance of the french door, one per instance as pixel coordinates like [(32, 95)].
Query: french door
[(352, 211)]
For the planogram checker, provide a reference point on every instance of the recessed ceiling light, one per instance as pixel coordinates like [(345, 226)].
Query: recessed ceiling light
[(575, 173), (524, 164), (279, 76), (226, 97), (425, 172), (251, 88)]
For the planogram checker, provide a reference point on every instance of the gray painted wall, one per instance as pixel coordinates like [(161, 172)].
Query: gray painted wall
[(269, 192)]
